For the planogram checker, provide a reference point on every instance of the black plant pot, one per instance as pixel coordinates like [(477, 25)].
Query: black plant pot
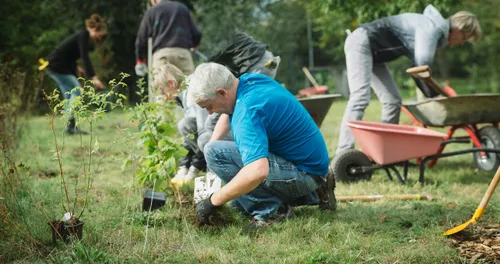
[(153, 200), (64, 230)]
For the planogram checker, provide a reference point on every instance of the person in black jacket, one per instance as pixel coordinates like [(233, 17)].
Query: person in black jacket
[(174, 33), (245, 54), (62, 67)]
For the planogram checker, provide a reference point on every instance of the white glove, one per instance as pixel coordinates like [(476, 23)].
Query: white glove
[(141, 69)]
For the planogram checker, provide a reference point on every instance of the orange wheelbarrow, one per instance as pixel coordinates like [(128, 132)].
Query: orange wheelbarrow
[(457, 112)]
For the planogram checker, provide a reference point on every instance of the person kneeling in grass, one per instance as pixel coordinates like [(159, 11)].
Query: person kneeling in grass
[(278, 158), (196, 127)]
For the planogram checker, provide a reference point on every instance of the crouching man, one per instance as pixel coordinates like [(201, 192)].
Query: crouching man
[(278, 158)]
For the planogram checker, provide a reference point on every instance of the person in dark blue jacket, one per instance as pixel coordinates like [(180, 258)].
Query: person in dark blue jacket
[(174, 33)]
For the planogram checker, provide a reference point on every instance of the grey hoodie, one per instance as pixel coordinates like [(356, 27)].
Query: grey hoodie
[(204, 122), (416, 36)]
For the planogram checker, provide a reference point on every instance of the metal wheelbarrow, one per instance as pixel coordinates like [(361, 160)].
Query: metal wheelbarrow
[(318, 105), (457, 112), (384, 146)]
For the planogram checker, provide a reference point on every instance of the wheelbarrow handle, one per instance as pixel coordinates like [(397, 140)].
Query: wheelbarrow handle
[(310, 77), (424, 73), (420, 72)]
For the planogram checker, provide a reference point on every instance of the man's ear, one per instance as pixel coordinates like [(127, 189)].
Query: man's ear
[(171, 85), (221, 91)]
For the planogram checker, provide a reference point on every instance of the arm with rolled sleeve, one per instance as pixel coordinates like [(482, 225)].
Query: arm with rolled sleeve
[(426, 42)]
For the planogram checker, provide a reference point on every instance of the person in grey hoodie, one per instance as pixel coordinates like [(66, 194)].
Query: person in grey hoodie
[(372, 45)]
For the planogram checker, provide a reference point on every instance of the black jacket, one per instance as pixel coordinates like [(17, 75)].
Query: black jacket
[(77, 46), (170, 24), (241, 54)]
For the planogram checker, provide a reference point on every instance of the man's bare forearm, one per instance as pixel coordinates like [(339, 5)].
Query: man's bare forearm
[(245, 181), (221, 128)]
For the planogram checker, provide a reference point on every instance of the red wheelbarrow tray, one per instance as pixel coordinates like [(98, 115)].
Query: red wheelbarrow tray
[(391, 143), (318, 105)]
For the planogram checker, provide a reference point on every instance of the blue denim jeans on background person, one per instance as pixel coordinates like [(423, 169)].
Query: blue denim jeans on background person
[(284, 183), (66, 83)]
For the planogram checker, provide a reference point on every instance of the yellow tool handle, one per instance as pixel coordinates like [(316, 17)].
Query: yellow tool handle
[(491, 189)]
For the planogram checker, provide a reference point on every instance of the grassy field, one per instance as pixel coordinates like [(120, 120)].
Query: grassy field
[(116, 230)]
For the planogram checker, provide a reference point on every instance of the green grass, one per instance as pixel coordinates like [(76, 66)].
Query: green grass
[(115, 227)]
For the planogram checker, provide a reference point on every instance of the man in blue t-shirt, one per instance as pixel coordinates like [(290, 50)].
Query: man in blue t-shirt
[(278, 158)]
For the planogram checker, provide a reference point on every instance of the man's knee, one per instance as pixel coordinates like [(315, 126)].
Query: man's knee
[(392, 105), (358, 103), (210, 150)]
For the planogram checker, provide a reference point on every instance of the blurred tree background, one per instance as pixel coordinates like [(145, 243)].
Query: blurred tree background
[(31, 29)]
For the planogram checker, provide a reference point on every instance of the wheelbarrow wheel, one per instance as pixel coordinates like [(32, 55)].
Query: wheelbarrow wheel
[(490, 138), (342, 164)]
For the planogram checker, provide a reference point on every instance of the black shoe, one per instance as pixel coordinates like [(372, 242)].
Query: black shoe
[(285, 211), (72, 129), (75, 131), (326, 194)]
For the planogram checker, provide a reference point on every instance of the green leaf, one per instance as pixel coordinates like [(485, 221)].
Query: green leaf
[(126, 163)]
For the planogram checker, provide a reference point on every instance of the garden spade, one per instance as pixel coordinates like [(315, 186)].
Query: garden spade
[(424, 73), (480, 209)]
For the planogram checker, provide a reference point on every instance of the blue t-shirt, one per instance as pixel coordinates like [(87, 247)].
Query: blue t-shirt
[(268, 118)]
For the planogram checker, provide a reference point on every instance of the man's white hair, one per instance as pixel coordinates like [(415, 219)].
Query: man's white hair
[(206, 79)]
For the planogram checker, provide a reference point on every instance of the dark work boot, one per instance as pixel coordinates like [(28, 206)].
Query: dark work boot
[(326, 193), (72, 129)]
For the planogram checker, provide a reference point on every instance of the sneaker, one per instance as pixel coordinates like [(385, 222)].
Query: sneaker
[(284, 212), (179, 177), (191, 174), (326, 194)]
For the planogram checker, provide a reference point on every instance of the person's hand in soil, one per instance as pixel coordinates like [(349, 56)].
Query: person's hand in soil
[(204, 210)]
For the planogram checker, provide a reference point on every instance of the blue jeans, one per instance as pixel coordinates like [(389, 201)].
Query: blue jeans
[(284, 183), (66, 83)]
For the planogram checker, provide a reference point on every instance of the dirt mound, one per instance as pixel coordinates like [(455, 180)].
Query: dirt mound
[(479, 242)]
